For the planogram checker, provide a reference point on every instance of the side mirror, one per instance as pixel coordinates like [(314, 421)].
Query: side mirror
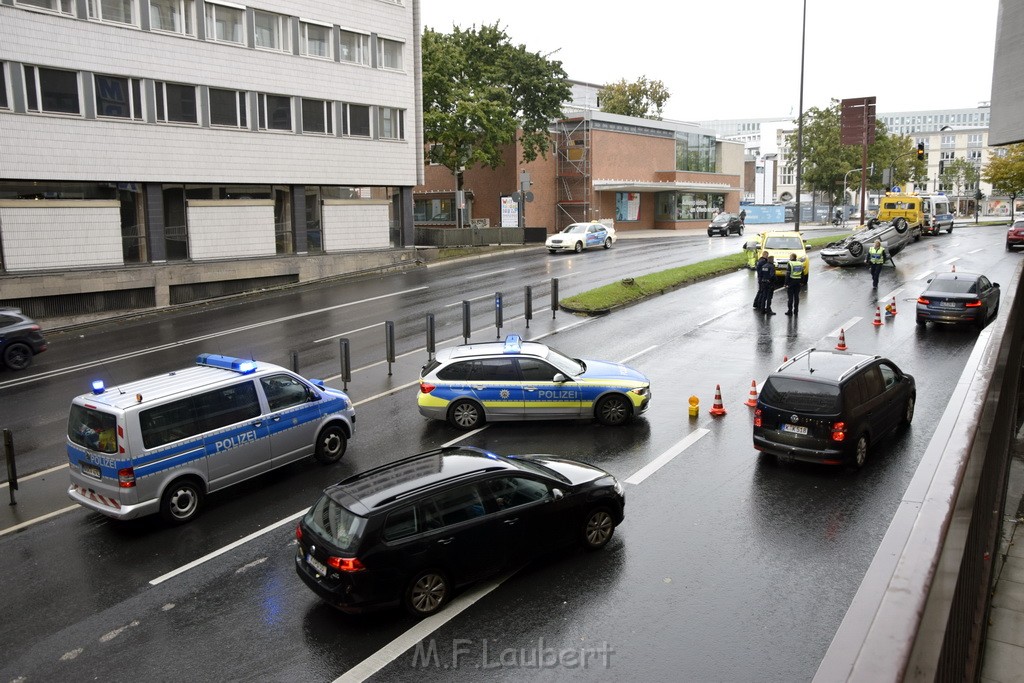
[(996, 285), (559, 377), (557, 494)]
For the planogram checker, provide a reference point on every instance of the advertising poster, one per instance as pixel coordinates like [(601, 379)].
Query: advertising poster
[(509, 213), (627, 206)]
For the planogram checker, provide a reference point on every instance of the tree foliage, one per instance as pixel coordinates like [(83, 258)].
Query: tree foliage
[(959, 173), (479, 90), (826, 160), (642, 98), (1006, 174)]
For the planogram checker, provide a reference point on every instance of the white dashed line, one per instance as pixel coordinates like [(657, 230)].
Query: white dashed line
[(666, 457)]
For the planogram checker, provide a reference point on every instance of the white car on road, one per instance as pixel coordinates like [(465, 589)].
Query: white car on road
[(579, 236)]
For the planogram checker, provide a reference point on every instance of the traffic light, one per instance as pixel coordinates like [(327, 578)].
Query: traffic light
[(920, 151)]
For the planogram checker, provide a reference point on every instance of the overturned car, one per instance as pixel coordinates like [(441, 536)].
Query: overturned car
[(853, 250)]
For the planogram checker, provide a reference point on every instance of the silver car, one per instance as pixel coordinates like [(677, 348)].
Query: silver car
[(853, 250)]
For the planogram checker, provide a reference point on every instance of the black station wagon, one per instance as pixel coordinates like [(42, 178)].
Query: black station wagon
[(831, 407), (411, 531)]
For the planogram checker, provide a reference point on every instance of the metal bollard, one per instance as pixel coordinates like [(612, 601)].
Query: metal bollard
[(389, 343), (498, 316), (529, 306), (294, 355), (466, 321), (431, 344), (554, 297), (12, 469), (345, 354)]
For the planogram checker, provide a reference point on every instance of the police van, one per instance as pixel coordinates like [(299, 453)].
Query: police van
[(161, 444)]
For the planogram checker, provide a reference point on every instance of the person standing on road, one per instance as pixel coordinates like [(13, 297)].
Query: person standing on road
[(766, 280), (794, 280), (876, 257), (759, 297), (743, 217)]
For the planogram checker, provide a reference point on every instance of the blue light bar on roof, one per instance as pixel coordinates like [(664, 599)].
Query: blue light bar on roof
[(242, 366), (97, 387), (513, 344)]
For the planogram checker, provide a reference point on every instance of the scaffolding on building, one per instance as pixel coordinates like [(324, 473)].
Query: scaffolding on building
[(574, 169)]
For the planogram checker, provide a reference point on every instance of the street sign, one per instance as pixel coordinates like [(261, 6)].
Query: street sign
[(857, 117)]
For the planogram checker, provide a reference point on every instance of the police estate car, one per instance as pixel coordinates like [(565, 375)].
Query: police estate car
[(521, 380)]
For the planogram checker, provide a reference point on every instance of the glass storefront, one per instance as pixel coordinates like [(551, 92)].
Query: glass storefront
[(688, 206)]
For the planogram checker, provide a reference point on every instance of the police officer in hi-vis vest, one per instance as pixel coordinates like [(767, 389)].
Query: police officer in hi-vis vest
[(794, 280), (876, 257)]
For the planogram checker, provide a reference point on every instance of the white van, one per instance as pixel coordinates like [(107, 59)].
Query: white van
[(937, 214), (163, 443)]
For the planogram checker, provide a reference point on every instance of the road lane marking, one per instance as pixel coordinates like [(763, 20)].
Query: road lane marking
[(493, 272), (891, 295), (200, 338), (952, 260), (475, 298), (845, 326), (666, 457), (36, 520), (36, 474), (390, 652), (638, 353), (345, 334), (231, 546), (975, 251), (921, 276)]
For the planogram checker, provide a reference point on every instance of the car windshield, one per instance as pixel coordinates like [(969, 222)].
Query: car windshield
[(801, 396), (92, 429), (951, 286), (576, 227), (783, 243), (722, 218), (332, 521), (564, 364)]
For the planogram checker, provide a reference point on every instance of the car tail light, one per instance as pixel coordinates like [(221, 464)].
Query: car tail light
[(126, 478), (838, 431), (921, 300), (757, 417), (345, 564), (426, 387), (972, 304), (298, 532)]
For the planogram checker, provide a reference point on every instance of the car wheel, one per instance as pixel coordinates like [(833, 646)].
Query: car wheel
[(551, 251), (465, 414), (740, 231), (598, 528), (613, 410), (908, 409), (900, 224), (426, 594), (856, 249), (1008, 247), (921, 321), (331, 444), (949, 230), (18, 356), (181, 501), (607, 242), (860, 452), (579, 247)]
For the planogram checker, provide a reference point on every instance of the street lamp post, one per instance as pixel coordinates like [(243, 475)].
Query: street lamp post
[(800, 120)]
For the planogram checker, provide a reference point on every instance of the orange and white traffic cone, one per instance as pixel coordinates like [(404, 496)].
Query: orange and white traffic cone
[(878, 316), (893, 305), (752, 401), (718, 409), (954, 268), (841, 346)]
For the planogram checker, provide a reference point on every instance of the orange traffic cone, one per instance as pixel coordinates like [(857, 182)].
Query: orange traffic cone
[(752, 401), (841, 346), (954, 268), (878, 316), (718, 409), (894, 305)]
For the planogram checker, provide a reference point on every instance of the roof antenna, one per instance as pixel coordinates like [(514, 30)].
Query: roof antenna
[(110, 374)]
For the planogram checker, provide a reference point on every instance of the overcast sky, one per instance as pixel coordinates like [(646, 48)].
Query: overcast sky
[(729, 59)]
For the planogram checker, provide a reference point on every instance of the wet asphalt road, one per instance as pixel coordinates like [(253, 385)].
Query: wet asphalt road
[(729, 566)]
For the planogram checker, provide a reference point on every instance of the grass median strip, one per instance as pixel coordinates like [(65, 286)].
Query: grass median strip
[(632, 289)]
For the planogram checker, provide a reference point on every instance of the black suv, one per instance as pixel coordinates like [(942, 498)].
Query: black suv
[(831, 406), (411, 531), (20, 339)]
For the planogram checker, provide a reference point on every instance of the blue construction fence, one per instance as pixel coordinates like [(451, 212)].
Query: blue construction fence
[(764, 213)]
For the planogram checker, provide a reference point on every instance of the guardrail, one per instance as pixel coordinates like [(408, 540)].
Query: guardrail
[(472, 237), (921, 611)]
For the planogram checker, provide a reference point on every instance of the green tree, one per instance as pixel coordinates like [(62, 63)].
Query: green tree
[(958, 174), (826, 160), (1006, 174), (642, 98), (480, 91)]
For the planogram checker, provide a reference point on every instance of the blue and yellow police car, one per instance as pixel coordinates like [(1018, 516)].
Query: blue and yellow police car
[(521, 380)]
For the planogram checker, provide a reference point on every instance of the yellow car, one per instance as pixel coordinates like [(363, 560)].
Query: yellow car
[(780, 245)]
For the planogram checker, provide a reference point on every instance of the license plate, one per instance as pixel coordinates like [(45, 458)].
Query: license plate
[(948, 304), (794, 429), (320, 567), (91, 471)]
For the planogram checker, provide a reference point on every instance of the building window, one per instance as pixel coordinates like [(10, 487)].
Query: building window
[(316, 40), (787, 176), (317, 116), (687, 206), (272, 31), (117, 11), (173, 16), (51, 90), (390, 123), (224, 24), (355, 120), (4, 102), (275, 112), (695, 152), (118, 97), (228, 108), (949, 141), (355, 47), (389, 54), (974, 140), (61, 6), (433, 210), (175, 103)]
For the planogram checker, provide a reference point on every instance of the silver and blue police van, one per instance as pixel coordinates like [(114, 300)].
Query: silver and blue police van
[(161, 444)]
